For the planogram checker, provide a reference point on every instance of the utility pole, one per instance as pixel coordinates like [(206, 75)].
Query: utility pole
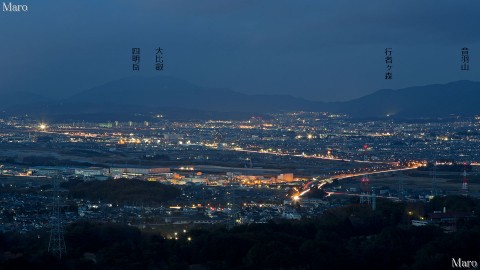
[(56, 246)]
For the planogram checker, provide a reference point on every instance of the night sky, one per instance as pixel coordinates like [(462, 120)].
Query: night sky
[(316, 49)]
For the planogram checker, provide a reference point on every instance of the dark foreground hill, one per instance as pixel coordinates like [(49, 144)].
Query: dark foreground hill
[(351, 237)]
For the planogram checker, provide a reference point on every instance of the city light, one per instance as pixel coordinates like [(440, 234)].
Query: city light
[(42, 126)]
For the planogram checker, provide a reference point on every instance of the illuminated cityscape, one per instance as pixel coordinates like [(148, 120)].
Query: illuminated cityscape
[(271, 163), (228, 173), (243, 135)]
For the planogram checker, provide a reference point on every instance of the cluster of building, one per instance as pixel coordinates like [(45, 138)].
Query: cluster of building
[(448, 221), (238, 171), (323, 135), (182, 176)]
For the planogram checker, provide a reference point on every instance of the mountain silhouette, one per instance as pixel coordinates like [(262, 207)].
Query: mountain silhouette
[(143, 95), (436, 100)]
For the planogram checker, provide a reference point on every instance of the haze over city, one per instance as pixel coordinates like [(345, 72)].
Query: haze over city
[(318, 50)]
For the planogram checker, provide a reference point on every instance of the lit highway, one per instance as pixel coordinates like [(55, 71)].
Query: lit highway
[(313, 156), (322, 182)]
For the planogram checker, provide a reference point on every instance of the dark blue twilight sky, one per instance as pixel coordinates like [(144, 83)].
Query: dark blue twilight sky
[(316, 49)]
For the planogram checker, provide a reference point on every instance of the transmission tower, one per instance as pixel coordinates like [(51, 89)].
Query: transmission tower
[(364, 186), (233, 214), (365, 192), (374, 200), (56, 246), (401, 188), (465, 181), (434, 179), (365, 154)]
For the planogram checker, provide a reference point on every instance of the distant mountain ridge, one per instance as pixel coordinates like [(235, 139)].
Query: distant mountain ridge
[(145, 95), (435, 100), (171, 92)]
